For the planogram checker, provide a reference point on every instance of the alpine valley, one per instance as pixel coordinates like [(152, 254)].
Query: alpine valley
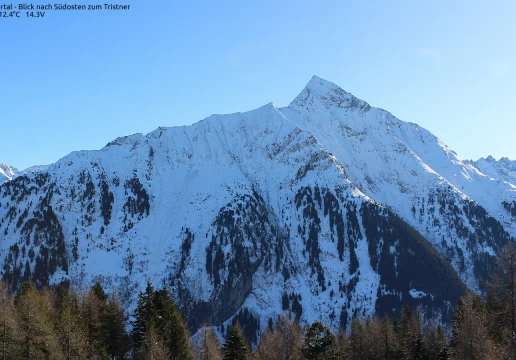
[(329, 207)]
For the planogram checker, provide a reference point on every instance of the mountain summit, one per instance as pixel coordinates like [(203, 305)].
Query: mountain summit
[(329, 207), (322, 93), (7, 173)]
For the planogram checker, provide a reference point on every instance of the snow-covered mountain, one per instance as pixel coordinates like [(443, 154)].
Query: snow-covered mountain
[(407, 168), (328, 207), (7, 173), (503, 169)]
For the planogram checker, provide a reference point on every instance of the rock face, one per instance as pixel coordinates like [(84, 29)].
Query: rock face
[(330, 208)]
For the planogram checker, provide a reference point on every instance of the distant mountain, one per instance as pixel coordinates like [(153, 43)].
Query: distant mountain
[(7, 173), (329, 207), (503, 169)]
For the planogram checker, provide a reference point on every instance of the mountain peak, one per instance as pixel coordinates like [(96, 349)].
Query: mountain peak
[(7, 172), (327, 94)]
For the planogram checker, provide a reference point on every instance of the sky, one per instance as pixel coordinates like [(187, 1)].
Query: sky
[(75, 80)]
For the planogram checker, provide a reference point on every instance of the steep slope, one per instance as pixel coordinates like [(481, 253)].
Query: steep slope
[(241, 215), (7, 173), (405, 167)]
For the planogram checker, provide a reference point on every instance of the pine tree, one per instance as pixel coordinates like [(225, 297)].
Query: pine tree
[(69, 325), (145, 317), (236, 346), (113, 329), (409, 332), (93, 307), (435, 340), (172, 325), (319, 342)]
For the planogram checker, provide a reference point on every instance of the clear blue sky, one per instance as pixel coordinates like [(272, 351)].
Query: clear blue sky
[(77, 80)]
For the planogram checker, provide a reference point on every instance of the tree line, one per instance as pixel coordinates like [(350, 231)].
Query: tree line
[(61, 324)]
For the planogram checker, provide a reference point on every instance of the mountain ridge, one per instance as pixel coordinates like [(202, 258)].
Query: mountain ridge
[(7, 173), (312, 208)]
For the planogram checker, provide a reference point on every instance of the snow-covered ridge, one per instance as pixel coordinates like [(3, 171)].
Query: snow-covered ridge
[(503, 169), (7, 173), (328, 94), (324, 207)]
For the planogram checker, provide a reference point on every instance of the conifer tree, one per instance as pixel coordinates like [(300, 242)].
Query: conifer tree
[(497, 322), (8, 349), (319, 342), (374, 339), (409, 334), (503, 285), (342, 347), (470, 339), (436, 341), (172, 325), (145, 317), (209, 344), (356, 340), (153, 347), (285, 342), (93, 308), (69, 325), (113, 328), (236, 346), (36, 337)]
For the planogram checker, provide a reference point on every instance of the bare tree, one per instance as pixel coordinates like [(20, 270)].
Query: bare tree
[(284, 343), (209, 347), (36, 337), (7, 324), (155, 348), (503, 286), (470, 338)]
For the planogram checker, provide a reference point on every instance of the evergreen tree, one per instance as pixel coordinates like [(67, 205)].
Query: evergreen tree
[(410, 339), (236, 346), (436, 341), (93, 307), (113, 328), (99, 292), (69, 325), (145, 317), (319, 343), (172, 325)]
